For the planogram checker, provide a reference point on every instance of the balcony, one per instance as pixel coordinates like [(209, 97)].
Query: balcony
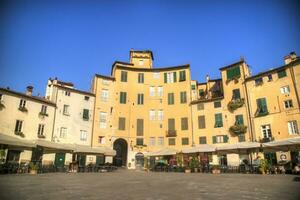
[(171, 133), (266, 139)]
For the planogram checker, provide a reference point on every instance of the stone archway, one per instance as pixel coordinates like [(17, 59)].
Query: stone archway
[(121, 148)]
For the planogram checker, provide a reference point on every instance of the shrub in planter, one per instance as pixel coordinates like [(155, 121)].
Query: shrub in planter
[(215, 169), (20, 134), (33, 168), (238, 129), (23, 109), (42, 114), (264, 166), (235, 104)]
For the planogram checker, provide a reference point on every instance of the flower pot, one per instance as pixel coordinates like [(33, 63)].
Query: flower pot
[(216, 171), (187, 170), (33, 171)]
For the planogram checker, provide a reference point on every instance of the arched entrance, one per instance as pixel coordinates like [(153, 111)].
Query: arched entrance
[(120, 159)]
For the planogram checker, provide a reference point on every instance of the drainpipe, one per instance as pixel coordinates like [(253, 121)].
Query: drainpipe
[(92, 135), (191, 110), (54, 113)]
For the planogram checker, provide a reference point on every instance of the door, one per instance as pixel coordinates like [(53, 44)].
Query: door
[(81, 160), (139, 161), (60, 160), (99, 160)]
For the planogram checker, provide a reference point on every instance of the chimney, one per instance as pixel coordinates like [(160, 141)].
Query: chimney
[(289, 58), (207, 78), (29, 90)]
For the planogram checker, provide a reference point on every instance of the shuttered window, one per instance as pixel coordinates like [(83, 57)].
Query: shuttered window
[(170, 98), (218, 120), (281, 73), (140, 127), (123, 97), (171, 124), (217, 104), (140, 99), (85, 114), (220, 139), (201, 121), (202, 140), (183, 97), (121, 123), (236, 94), (262, 108), (201, 93), (139, 141), (170, 77), (233, 72), (140, 77), (172, 141), (193, 87), (239, 120), (184, 123), (185, 141), (123, 76), (182, 76), (241, 138), (200, 106)]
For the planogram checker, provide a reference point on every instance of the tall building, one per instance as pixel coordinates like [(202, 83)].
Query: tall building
[(140, 109)]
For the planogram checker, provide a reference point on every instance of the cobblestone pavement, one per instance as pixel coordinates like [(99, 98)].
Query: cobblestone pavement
[(125, 184)]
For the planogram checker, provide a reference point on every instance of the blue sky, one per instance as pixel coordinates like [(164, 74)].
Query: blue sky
[(73, 40)]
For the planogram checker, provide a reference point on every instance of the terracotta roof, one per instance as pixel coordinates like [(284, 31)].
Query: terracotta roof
[(76, 90), (23, 95), (232, 65), (105, 77), (154, 69)]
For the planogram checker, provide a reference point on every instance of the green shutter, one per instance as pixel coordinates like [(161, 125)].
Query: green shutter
[(225, 138), (233, 72), (241, 138), (236, 94), (165, 77), (281, 73), (239, 119), (201, 121), (218, 120), (182, 97), (175, 77), (170, 98), (214, 138), (182, 76)]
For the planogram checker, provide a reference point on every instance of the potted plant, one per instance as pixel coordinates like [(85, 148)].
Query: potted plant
[(264, 166), (238, 129), (2, 156), (187, 169), (235, 104), (179, 160), (194, 164), (33, 168), (215, 169)]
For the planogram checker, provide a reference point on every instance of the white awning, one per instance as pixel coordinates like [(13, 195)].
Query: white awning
[(241, 146), (50, 146), (94, 150), (162, 152), (202, 148), (283, 145), (15, 141)]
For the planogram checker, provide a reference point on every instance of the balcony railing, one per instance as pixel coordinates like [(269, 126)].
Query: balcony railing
[(171, 133), (266, 139)]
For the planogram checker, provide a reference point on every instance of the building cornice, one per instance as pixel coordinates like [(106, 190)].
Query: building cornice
[(76, 90), (206, 100), (232, 65)]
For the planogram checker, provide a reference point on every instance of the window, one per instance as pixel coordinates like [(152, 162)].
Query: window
[(105, 82), (140, 99), (293, 127), (218, 120), (270, 77), (104, 95), (140, 77), (83, 135), (1, 97), (217, 104), (160, 141), (200, 106), (22, 103), (140, 127), (201, 93), (201, 122), (241, 138), (160, 91), (233, 72), (202, 140), (103, 116), (123, 97), (285, 90), (63, 132), (185, 141), (258, 81), (170, 77), (67, 93), (18, 127), (160, 115), (86, 98), (123, 76), (152, 141), (156, 75), (85, 114), (266, 131), (152, 91), (182, 76), (172, 141), (141, 62), (239, 120), (44, 109), (41, 129), (281, 73), (220, 139), (262, 108), (101, 139), (152, 114), (184, 123), (183, 97), (139, 141), (122, 123), (66, 110), (170, 98), (288, 104), (171, 124), (236, 94), (193, 87)]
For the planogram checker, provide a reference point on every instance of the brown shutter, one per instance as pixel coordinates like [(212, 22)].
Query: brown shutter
[(184, 123), (140, 127), (201, 121), (171, 124), (121, 123)]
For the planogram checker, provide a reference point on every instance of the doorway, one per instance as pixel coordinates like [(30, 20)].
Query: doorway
[(121, 148)]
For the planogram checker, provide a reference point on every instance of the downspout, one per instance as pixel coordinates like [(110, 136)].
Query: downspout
[(191, 110), (95, 89), (53, 126)]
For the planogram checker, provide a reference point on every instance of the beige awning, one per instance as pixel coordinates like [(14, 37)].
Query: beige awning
[(94, 150), (283, 145), (15, 141), (202, 148), (50, 146), (162, 152), (241, 146)]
